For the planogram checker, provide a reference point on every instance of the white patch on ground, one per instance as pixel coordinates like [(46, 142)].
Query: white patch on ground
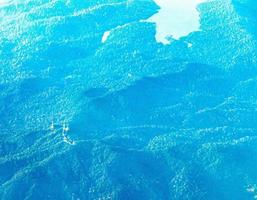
[(189, 45), (105, 36), (250, 189), (175, 19), (111, 31)]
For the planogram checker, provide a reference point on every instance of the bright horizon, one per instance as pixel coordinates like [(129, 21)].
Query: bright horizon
[(3, 2)]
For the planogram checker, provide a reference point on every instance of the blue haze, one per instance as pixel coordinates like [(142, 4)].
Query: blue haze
[(129, 118)]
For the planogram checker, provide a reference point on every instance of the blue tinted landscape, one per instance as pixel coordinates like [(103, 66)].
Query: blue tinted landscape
[(128, 99)]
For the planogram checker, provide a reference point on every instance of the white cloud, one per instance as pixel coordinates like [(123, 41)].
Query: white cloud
[(176, 18)]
